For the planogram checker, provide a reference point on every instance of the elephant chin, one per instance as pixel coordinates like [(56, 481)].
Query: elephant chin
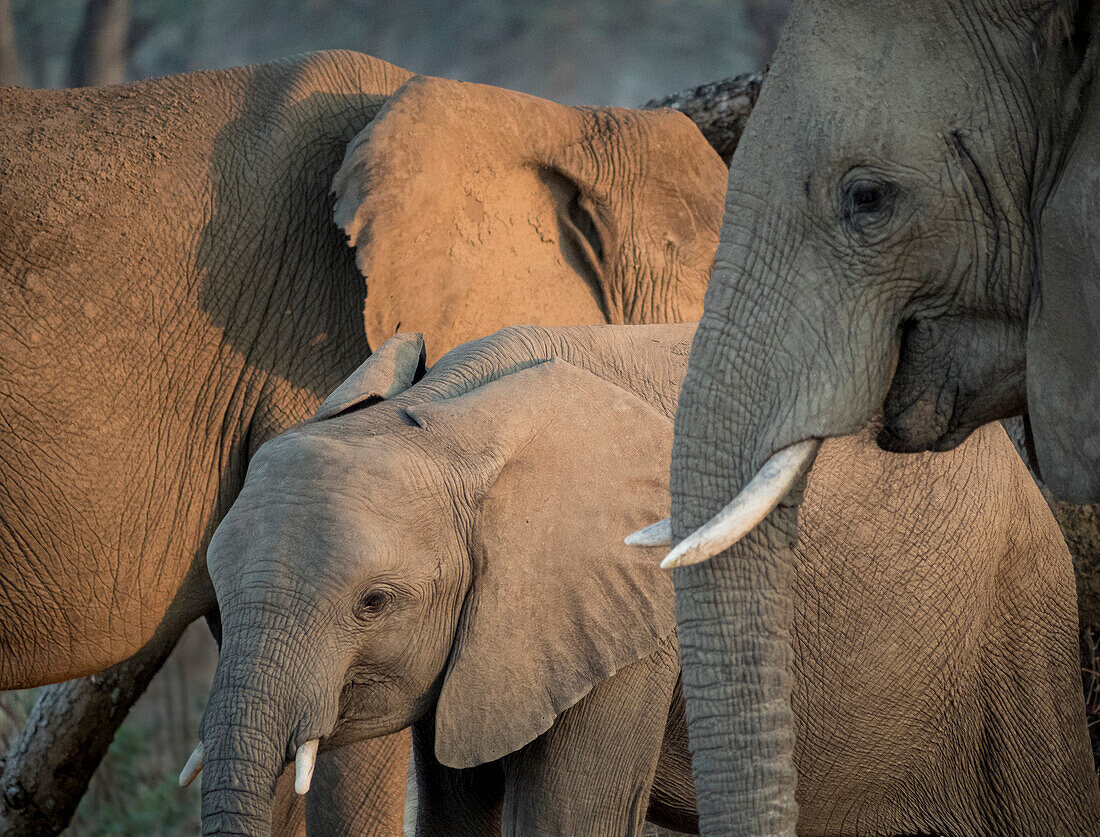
[(941, 415), (920, 426), (895, 438), (948, 382)]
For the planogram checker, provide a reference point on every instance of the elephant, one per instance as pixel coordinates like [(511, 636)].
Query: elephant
[(910, 230), (175, 293), (444, 550)]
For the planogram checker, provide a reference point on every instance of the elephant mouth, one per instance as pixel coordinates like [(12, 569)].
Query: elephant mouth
[(362, 715), (937, 419), (348, 731), (952, 376), (894, 438), (911, 424)]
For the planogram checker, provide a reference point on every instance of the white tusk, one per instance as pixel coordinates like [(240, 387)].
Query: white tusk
[(747, 509), (193, 767), (304, 762), (655, 534)]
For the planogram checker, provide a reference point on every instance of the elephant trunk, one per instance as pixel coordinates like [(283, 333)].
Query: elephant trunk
[(240, 773), (264, 709), (766, 383), (735, 613)]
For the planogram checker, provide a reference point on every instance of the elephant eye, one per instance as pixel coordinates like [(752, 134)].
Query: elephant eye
[(372, 603), (866, 203)]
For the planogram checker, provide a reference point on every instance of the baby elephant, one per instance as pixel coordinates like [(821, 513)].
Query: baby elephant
[(446, 551)]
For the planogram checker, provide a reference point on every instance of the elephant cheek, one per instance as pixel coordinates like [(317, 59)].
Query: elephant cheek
[(372, 709)]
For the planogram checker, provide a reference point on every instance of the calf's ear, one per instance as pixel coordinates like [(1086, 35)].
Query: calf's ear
[(1063, 341), (395, 367), (571, 465)]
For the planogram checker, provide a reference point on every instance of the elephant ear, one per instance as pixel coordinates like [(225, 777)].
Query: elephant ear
[(471, 208), (557, 601), (457, 225), (395, 367), (1063, 351)]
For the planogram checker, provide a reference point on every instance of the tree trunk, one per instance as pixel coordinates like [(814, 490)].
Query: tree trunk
[(101, 49), (12, 717), (65, 737), (720, 109), (11, 68)]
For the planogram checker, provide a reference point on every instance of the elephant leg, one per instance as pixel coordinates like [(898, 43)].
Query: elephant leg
[(360, 789), (66, 735), (450, 802), (592, 772)]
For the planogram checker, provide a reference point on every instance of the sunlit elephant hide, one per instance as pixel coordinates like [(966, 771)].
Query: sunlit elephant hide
[(174, 293)]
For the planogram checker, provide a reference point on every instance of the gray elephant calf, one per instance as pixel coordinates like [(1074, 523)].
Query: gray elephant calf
[(448, 553)]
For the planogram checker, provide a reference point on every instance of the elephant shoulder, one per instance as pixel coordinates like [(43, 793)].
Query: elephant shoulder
[(990, 457), (1023, 504), (972, 484)]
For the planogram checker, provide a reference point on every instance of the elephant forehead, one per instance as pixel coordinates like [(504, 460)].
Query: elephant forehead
[(330, 545), (334, 491), (340, 457), (816, 80)]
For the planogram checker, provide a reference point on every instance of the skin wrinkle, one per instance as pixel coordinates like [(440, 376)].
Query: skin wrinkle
[(736, 408), (292, 119)]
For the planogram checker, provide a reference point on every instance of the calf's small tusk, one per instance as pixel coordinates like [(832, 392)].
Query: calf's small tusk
[(304, 762), (747, 509), (193, 767), (655, 534)]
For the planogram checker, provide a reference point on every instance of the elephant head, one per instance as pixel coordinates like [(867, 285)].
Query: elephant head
[(473, 207), (911, 225), (460, 554)]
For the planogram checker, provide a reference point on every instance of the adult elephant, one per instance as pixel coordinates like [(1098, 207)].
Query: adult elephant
[(174, 294), (910, 227)]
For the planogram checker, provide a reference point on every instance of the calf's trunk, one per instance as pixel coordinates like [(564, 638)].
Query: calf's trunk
[(265, 706)]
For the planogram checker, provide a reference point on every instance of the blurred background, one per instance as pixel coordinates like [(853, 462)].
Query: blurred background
[(621, 52), (618, 52)]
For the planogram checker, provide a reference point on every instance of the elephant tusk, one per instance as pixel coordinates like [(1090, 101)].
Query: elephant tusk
[(193, 767), (304, 762), (747, 509), (655, 534)]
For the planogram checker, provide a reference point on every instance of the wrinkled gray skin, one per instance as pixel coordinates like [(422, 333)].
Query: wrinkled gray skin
[(895, 198), (449, 555), (173, 293)]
